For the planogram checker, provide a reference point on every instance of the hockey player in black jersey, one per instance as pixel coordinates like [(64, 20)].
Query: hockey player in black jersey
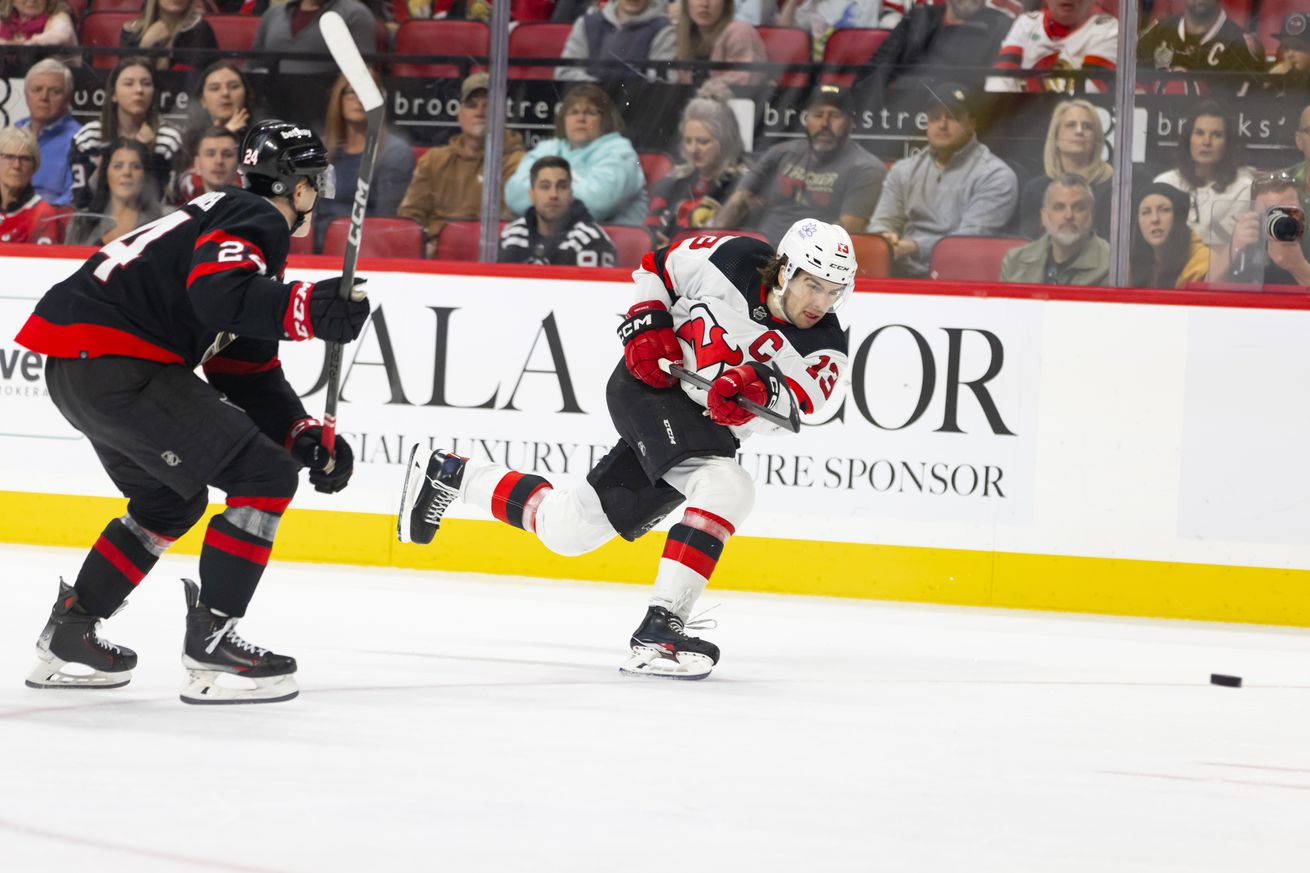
[(122, 336), (724, 307)]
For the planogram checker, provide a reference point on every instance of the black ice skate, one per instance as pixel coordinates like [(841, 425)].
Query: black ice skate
[(661, 648), (213, 648), (71, 639), (431, 484)]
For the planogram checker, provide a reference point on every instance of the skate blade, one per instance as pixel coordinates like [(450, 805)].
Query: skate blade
[(50, 673), (654, 664), (415, 476), (203, 689)]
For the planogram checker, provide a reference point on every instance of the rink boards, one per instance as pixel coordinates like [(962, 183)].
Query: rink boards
[(1058, 449)]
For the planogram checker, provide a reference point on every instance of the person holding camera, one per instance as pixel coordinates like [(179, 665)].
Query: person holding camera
[(1269, 242)]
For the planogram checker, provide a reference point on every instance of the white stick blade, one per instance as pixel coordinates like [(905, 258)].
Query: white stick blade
[(346, 54)]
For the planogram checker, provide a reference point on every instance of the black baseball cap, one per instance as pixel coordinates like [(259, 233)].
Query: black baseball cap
[(1295, 26), (832, 95), (954, 96)]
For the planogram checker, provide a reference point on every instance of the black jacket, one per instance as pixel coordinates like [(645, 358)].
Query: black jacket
[(922, 43)]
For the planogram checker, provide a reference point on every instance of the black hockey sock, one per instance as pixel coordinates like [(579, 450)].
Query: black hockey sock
[(116, 564), (233, 558)]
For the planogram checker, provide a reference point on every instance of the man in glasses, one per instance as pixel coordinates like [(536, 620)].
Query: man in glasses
[(122, 338)]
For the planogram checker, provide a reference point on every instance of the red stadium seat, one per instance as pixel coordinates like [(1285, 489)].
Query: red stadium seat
[(972, 258), (383, 238), (101, 30), (419, 152), (537, 40), (788, 45), (302, 245), (630, 243), (235, 33), (133, 6), (458, 241), (531, 10), (873, 256), (854, 45), (426, 37), (654, 165)]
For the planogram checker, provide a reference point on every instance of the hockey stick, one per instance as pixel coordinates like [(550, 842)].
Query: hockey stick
[(791, 421), (347, 56)]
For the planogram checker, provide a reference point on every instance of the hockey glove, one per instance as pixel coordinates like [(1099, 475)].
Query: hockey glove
[(305, 442), (647, 335), (751, 381), (318, 311)]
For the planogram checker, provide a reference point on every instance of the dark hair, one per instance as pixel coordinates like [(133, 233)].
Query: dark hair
[(109, 112), (549, 162), (85, 223), (1226, 170), (214, 133), (231, 67), (610, 120), (771, 270), (1144, 271)]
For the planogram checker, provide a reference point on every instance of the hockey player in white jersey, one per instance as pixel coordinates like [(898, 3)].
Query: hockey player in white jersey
[(738, 314)]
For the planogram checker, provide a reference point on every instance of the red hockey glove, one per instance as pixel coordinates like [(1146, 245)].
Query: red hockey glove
[(647, 335), (752, 381)]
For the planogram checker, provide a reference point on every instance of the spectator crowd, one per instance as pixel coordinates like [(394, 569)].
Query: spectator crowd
[(582, 193)]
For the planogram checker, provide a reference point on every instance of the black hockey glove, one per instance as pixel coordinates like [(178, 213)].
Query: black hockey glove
[(318, 311), (305, 442)]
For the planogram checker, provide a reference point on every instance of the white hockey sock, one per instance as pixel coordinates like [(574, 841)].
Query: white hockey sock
[(690, 555)]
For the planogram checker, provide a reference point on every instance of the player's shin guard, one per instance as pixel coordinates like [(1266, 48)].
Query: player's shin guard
[(661, 646), (236, 550), (116, 564)]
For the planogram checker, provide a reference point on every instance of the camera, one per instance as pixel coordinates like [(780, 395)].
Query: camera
[(1284, 223)]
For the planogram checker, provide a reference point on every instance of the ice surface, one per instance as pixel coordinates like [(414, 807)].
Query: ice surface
[(477, 723)]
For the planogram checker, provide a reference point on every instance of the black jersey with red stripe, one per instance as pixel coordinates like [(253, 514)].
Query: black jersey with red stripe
[(168, 289)]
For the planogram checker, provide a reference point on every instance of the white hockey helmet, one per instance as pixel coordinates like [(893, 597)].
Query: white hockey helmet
[(820, 249)]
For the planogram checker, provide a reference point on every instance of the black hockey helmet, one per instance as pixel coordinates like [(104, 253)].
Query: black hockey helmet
[(276, 153)]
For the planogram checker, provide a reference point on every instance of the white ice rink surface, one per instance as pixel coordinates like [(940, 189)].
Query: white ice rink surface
[(469, 723)]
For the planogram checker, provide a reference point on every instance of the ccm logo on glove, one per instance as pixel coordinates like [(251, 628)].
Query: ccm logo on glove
[(647, 336), (318, 311)]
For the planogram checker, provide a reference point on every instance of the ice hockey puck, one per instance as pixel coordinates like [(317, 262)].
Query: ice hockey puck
[(1228, 681)]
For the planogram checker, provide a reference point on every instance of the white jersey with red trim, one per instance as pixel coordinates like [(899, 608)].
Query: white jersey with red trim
[(1037, 42), (713, 289)]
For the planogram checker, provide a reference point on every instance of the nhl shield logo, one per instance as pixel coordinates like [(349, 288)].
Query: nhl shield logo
[(1164, 56), (759, 313), (170, 458)]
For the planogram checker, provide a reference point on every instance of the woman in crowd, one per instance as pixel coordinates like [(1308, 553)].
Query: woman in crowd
[(130, 112), (175, 25), (690, 196), (24, 216), (606, 173), (343, 136), (1208, 172), (34, 22), (1075, 143), (223, 98), (707, 31), (127, 199), (1165, 252)]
